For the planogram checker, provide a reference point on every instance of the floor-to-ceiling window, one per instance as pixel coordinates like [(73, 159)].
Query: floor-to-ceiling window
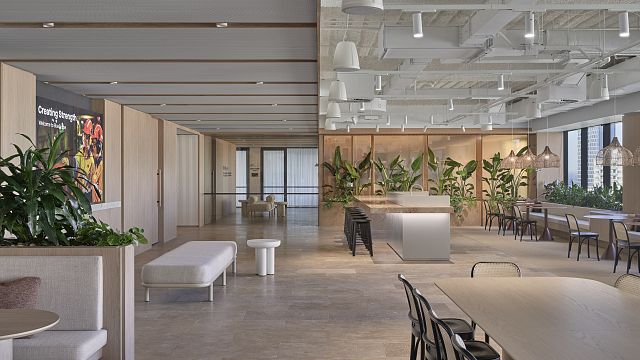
[(582, 147), (242, 169), (291, 175)]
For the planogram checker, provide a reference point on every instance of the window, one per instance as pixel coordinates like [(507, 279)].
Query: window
[(291, 175), (581, 149), (573, 155)]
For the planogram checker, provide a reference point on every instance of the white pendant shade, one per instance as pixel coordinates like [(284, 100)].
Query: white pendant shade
[(388, 120), (333, 111), (486, 127), (623, 24), (337, 91), (378, 86), (451, 107), (362, 7), (547, 159), (329, 125), (345, 59), (615, 154), (529, 25), (510, 162), (501, 82), (417, 25)]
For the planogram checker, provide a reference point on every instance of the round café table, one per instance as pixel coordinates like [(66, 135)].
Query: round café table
[(17, 323), (595, 224), (546, 232)]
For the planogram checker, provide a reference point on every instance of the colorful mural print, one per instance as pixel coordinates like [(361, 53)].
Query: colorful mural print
[(82, 143)]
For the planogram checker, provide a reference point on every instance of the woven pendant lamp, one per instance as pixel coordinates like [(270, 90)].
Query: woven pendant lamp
[(510, 162), (527, 160), (547, 159), (615, 154)]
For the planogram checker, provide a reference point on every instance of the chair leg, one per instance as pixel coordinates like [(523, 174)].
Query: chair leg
[(412, 356), (617, 257), (629, 260), (597, 248), (579, 249), (589, 248), (570, 242), (490, 223)]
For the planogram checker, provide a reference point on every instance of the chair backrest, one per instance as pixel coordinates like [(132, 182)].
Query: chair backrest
[(495, 269), (443, 338), (620, 231), (270, 199), (517, 212), (501, 209), (423, 311), (572, 223), (461, 349), (413, 304), (253, 199), (485, 205), (629, 283), (71, 286)]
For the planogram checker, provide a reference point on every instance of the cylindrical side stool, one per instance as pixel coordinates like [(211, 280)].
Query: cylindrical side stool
[(265, 255)]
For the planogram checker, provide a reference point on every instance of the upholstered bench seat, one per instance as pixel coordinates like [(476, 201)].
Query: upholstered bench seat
[(56, 345), (193, 264), (561, 220)]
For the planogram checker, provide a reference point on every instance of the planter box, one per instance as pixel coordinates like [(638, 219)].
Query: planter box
[(118, 287)]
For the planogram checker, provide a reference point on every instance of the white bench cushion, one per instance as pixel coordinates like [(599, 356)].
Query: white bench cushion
[(195, 262), (58, 345), (559, 219)]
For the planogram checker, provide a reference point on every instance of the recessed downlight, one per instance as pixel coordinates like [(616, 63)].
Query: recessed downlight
[(163, 105), (48, 25), (222, 25), (259, 82), (113, 83), (274, 105)]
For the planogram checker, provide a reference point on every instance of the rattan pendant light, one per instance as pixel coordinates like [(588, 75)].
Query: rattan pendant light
[(614, 154), (547, 159)]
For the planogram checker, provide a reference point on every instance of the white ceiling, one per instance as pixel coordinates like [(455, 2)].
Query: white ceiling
[(170, 60)]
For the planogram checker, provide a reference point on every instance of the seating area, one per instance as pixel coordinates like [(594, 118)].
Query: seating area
[(319, 179)]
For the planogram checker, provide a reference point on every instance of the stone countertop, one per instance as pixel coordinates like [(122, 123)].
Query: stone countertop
[(385, 205)]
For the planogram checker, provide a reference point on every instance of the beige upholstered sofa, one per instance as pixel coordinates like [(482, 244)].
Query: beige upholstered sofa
[(255, 205), (71, 286)]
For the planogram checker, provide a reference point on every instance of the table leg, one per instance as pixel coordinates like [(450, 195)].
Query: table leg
[(546, 232), (609, 254), (271, 261), (261, 261), (6, 349)]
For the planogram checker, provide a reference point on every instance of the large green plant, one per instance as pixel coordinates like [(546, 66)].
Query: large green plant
[(452, 178), (398, 177), (599, 197), (496, 180), (42, 200), (349, 179)]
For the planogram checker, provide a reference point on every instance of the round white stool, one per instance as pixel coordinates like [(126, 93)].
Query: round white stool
[(265, 255)]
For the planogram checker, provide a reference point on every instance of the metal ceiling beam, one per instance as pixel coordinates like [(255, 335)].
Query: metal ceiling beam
[(513, 7)]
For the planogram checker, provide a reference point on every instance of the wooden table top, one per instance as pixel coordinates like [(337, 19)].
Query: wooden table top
[(17, 323), (609, 216), (551, 318), (543, 206)]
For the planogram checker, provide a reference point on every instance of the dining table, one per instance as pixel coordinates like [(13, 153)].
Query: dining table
[(17, 323), (546, 234), (602, 224), (551, 318)]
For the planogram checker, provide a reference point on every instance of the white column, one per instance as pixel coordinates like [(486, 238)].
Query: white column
[(6, 349), (271, 261), (261, 261)]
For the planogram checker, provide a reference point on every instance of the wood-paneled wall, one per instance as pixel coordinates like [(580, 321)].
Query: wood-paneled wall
[(140, 173), (17, 108), (225, 178), (168, 139), (187, 180), (208, 180)]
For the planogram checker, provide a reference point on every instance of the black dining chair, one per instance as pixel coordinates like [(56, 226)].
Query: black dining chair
[(416, 330), (575, 234), (489, 214), (443, 334), (508, 218), (461, 349), (523, 223), (621, 242), (460, 327)]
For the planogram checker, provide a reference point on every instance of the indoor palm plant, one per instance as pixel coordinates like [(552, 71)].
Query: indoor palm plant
[(42, 202), (397, 176), (349, 179)]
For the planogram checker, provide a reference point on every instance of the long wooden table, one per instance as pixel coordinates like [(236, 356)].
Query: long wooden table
[(551, 318)]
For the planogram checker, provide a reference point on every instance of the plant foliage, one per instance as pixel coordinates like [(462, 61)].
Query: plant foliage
[(609, 198), (349, 179), (397, 176), (451, 178)]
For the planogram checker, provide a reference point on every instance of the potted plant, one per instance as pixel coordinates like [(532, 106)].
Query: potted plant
[(43, 207), (397, 177), (349, 179), (451, 178)]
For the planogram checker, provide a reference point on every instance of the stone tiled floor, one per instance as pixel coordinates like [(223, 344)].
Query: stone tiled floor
[(322, 303)]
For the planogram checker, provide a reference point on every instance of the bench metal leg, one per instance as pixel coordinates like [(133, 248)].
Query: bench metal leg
[(211, 292), (224, 277), (146, 294)]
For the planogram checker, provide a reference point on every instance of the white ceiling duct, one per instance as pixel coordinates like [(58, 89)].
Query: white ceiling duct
[(362, 7), (337, 91), (345, 58)]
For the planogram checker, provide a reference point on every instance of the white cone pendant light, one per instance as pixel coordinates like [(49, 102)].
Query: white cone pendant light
[(329, 125), (362, 7), (529, 25), (417, 25), (501, 82), (333, 111), (510, 162), (345, 58), (378, 85), (615, 154), (337, 91), (623, 24)]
